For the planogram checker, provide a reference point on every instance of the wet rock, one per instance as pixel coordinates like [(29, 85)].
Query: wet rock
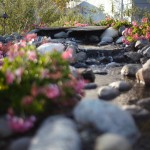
[(141, 43), (112, 65), (107, 39), (133, 57), (136, 111), (106, 118), (121, 85), (60, 35), (91, 61), (89, 86), (121, 29), (88, 75), (110, 32), (112, 142), (144, 103), (143, 76), (120, 40), (102, 43), (146, 53), (130, 69), (5, 130), (20, 144), (107, 92), (57, 133), (119, 58), (80, 57), (50, 47)]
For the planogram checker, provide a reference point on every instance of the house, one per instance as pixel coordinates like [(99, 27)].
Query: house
[(99, 9)]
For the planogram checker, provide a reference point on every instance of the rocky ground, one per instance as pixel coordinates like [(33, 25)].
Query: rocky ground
[(115, 108)]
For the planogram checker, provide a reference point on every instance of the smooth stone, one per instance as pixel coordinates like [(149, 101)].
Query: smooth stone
[(88, 75), (50, 47), (61, 35), (107, 39), (136, 111), (107, 92), (143, 76), (121, 85), (133, 57), (80, 57), (106, 117), (130, 69), (144, 103), (89, 86), (20, 144), (112, 142), (112, 65), (146, 53), (110, 32), (120, 40), (56, 133), (5, 130), (141, 43)]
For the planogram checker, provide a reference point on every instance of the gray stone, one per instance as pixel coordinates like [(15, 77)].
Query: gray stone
[(146, 53), (107, 39), (20, 144), (5, 130), (60, 35), (106, 118), (133, 57), (147, 64), (110, 32), (120, 40), (50, 47), (57, 133), (100, 71), (107, 92), (88, 75), (112, 142), (80, 57), (141, 43), (121, 85), (102, 43), (74, 71), (135, 111), (130, 69), (121, 29), (89, 86), (144, 103), (94, 38), (112, 65)]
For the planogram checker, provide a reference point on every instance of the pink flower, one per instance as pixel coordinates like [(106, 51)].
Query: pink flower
[(136, 36), (34, 90), (27, 100), (147, 35), (19, 72), (134, 23), (23, 43), (32, 55), (130, 30), (68, 54), (20, 125), (10, 77), (79, 85), (144, 20), (52, 91), (45, 73), (30, 37)]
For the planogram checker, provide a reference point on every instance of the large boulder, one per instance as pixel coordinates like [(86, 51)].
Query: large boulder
[(57, 133), (133, 57), (106, 118), (50, 47)]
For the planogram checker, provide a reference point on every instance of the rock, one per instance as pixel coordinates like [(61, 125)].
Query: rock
[(89, 86), (88, 75), (121, 85), (50, 47), (146, 53), (60, 35), (141, 43), (121, 29), (136, 111), (74, 71), (102, 43), (112, 65), (144, 103), (100, 71), (120, 40), (20, 144), (147, 64), (110, 32), (94, 39), (5, 130), (107, 39), (2, 39), (107, 93), (80, 57), (133, 57), (143, 76), (106, 118), (143, 60), (130, 69), (119, 58), (57, 133), (80, 65), (112, 142), (91, 61)]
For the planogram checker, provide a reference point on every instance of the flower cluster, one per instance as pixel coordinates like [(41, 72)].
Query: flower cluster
[(74, 24), (137, 31), (31, 84)]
